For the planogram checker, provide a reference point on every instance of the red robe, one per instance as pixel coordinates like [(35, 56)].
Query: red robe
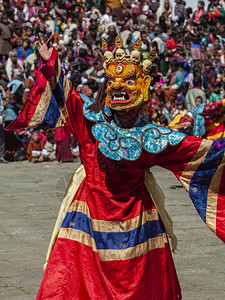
[(112, 243)]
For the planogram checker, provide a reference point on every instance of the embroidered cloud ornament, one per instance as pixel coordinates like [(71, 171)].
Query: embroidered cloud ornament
[(127, 143)]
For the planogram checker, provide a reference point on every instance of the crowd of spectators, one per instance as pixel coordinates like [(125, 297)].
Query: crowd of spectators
[(189, 68)]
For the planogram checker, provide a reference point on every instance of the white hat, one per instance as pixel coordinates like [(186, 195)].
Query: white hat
[(72, 27)]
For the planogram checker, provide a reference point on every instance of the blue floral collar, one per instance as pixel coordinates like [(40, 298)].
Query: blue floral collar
[(127, 143)]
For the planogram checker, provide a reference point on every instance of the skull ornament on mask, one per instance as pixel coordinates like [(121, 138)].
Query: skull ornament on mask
[(107, 57), (120, 55), (147, 65), (135, 57)]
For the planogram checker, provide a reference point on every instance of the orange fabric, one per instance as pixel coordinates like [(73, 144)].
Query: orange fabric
[(39, 146)]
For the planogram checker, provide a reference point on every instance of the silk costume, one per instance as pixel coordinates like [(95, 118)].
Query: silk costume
[(112, 243)]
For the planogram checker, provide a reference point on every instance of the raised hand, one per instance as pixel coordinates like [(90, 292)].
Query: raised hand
[(44, 50)]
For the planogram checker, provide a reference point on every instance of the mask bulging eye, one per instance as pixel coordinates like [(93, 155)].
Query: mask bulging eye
[(130, 82), (110, 82)]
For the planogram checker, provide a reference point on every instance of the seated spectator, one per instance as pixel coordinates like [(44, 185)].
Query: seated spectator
[(2, 136), (24, 50), (198, 101), (82, 59), (216, 64), (35, 149), (158, 94), (14, 67), (174, 79), (68, 60), (180, 110), (50, 146), (171, 44), (217, 92), (97, 72), (216, 13), (209, 76), (106, 18), (181, 96), (168, 111)]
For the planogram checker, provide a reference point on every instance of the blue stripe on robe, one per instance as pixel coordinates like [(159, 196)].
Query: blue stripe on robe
[(113, 240), (202, 177)]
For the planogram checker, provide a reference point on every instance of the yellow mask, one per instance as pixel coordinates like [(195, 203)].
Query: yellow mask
[(128, 86), (128, 82)]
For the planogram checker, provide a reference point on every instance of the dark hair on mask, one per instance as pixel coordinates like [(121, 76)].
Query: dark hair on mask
[(99, 103)]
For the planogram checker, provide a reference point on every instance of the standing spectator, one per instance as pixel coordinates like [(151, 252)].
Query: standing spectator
[(194, 93), (5, 38), (199, 12), (178, 12), (63, 140), (2, 133)]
